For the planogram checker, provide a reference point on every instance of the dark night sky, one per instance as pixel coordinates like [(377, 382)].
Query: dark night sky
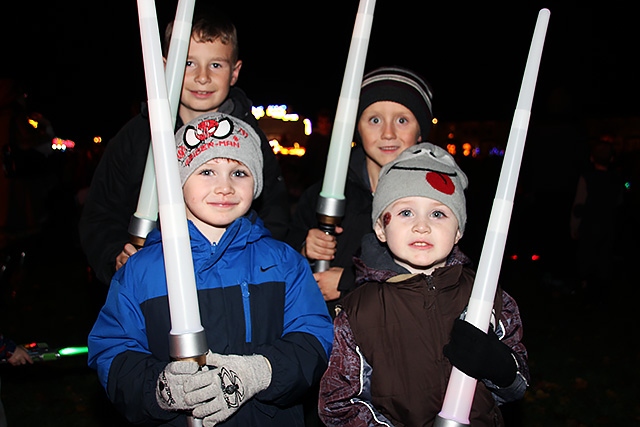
[(81, 62)]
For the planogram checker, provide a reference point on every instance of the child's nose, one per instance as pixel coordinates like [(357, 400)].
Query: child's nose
[(388, 131), (202, 77), (422, 226), (223, 187)]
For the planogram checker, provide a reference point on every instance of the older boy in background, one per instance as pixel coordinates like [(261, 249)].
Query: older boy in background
[(394, 112), (212, 70)]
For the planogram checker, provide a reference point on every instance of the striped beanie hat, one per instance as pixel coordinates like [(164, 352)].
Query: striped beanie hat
[(399, 85)]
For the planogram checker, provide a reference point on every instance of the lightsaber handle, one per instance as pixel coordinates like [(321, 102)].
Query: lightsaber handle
[(461, 388), (328, 226)]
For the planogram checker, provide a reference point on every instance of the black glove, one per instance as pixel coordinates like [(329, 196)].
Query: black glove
[(480, 355)]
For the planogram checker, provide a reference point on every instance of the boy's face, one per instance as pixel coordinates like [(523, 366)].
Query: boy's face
[(419, 231), (216, 194), (208, 76), (386, 129)]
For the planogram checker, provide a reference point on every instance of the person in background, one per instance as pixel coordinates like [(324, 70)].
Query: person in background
[(266, 323), (15, 355), (394, 112), (402, 329), (600, 186), (212, 70), (27, 179)]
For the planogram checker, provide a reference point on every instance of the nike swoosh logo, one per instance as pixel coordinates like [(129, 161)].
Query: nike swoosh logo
[(263, 269)]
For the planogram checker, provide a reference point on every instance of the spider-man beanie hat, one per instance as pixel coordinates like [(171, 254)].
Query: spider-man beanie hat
[(219, 135)]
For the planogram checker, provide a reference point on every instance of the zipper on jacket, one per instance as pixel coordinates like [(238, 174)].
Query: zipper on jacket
[(247, 310), (430, 285)]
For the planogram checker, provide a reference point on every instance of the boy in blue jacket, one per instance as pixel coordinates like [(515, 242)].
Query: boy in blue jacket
[(267, 326)]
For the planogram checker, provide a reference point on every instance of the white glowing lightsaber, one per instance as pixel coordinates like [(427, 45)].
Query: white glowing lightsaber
[(461, 388), (187, 338), (331, 203), (146, 215)]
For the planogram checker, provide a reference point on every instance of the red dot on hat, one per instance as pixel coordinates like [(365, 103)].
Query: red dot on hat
[(441, 182)]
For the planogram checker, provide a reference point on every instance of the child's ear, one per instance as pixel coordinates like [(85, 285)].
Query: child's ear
[(379, 230), (235, 73), (458, 236)]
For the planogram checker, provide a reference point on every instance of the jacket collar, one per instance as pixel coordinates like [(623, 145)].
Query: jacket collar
[(244, 230), (373, 252)]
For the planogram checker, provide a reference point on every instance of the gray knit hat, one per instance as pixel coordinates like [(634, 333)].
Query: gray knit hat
[(423, 170), (399, 85), (219, 135)]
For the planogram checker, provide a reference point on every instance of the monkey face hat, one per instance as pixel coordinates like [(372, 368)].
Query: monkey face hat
[(424, 170), (219, 135)]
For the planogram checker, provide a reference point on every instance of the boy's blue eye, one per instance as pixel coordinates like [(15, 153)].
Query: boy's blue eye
[(405, 212), (439, 214)]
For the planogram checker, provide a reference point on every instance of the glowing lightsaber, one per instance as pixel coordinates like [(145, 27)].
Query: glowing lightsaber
[(40, 352), (331, 203), (187, 338), (187, 334), (461, 388), (146, 215)]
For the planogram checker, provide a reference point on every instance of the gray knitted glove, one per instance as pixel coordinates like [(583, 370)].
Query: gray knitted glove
[(169, 390), (230, 381)]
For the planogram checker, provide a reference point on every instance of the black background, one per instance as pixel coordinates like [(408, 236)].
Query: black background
[(81, 62)]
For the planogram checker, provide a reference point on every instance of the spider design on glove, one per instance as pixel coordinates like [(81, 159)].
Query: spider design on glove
[(232, 388), (165, 391)]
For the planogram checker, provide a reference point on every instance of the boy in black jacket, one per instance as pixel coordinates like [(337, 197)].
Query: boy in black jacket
[(212, 70)]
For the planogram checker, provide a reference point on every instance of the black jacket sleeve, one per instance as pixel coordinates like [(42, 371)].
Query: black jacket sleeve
[(273, 204), (113, 197), (304, 217)]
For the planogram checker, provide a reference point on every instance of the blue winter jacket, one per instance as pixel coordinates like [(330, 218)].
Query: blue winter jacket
[(255, 295)]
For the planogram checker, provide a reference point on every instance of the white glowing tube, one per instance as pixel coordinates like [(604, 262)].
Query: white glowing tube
[(335, 175), (183, 300), (177, 55), (147, 208), (461, 388)]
